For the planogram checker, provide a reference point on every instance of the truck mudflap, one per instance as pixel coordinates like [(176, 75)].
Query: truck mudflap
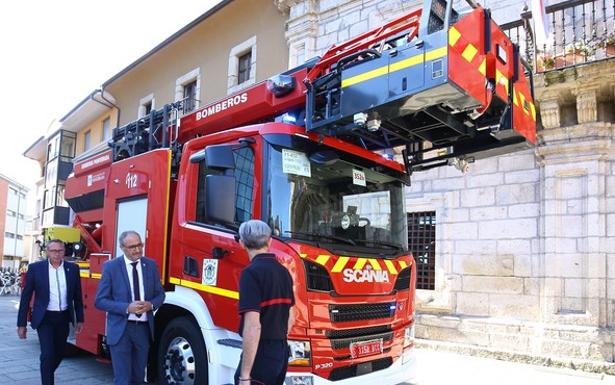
[(403, 369)]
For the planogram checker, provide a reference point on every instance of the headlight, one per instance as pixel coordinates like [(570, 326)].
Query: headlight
[(300, 353), (409, 336)]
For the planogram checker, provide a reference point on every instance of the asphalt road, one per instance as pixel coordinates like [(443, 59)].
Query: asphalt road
[(19, 365)]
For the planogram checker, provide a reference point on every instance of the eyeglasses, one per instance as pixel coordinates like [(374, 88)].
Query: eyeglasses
[(134, 247), (55, 251)]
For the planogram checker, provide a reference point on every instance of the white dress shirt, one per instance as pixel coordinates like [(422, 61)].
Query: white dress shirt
[(132, 316), (57, 288)]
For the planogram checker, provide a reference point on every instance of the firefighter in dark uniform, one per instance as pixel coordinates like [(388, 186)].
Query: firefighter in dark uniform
[(265, 301)]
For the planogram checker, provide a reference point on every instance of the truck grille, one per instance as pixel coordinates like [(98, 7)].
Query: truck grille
[(348, 333), (342, 343), (360, 369), (361, 312)]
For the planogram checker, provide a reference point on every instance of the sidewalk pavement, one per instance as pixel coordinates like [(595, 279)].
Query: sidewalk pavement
[(19, 365)]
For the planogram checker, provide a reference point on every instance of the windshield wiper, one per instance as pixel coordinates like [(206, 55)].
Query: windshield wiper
[(379, 243), (318, 235)]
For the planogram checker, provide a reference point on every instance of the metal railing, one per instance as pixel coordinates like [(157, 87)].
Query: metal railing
[(10, 282), (582, 31)]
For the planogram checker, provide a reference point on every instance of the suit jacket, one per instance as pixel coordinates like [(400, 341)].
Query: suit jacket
[(114, 294), (37, 283)]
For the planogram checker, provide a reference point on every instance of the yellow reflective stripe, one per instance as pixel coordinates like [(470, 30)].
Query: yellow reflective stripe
[(84, 275), (96, 275), (166, 212), (482, 68), (533, 108), (515, 99), (501, 79), (303, 255), (436, 54), (469, 52), (360, 264), (390, 266), (322, 259), (403, 264), (339, 265), (453, 36), (374, 264), (522, 97), (402, 64), (83, 264), (174, 280), (365, 76), (409, 62), (211, 289)]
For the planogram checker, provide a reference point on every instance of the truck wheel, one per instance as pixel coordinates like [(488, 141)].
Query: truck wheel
[(182, 357)]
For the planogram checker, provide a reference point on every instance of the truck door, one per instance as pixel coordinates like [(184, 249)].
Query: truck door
[(137, 199), (205, 254)]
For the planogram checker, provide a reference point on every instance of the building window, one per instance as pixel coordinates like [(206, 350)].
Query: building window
[(422, 245), (87, 140), (146, 105), (106, 129), (188, 89), (243, 71), (19, 237), (53, 147), (11, 213), (242, 66), (9, 235), (297, 55), (189, 97)]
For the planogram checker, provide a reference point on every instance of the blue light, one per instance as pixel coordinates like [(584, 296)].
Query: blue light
[(288, 118), (393, 307)]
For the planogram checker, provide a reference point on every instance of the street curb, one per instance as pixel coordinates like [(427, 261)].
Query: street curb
[(553, 362)]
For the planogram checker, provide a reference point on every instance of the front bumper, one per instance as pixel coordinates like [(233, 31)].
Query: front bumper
[(402, 370)]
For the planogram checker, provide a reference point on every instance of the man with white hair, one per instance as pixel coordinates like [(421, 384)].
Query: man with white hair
[(265, 301)]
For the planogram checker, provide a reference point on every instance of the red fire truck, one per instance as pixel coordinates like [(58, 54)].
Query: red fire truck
[(307, 152)]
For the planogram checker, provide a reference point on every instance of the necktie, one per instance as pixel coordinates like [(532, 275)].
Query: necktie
[(59, 291), (135, 283)]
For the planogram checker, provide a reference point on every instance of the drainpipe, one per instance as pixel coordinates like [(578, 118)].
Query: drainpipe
[(108, 103)]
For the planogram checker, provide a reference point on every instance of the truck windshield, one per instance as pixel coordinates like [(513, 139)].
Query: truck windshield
[(332, 201)]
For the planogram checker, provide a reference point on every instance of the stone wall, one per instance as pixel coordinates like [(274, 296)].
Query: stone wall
[(524, 242)]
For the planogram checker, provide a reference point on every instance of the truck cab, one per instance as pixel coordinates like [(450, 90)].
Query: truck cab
[(338, 220)]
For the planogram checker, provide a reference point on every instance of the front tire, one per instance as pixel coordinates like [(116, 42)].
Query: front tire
[(182, 357)]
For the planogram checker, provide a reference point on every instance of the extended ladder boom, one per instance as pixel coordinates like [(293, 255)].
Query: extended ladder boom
[(450, 86)]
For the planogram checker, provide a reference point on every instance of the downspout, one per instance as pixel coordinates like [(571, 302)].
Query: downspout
[(108, 103)]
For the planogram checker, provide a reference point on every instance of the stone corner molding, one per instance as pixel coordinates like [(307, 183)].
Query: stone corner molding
[(284, 5)]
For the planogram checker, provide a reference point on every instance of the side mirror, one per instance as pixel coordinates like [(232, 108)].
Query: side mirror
[(220, 198), (218, 156)]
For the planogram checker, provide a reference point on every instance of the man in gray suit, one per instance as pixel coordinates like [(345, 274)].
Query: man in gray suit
[(129, 291)]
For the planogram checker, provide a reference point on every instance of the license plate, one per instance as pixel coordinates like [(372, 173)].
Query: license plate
[(366, 348)]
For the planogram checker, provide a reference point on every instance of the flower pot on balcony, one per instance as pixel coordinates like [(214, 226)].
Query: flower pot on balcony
[(570, 58)]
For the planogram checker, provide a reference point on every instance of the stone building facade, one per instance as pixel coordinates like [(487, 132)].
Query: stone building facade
[(524, 242)]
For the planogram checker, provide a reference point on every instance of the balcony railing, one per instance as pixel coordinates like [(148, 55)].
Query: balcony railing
[(582, 31)]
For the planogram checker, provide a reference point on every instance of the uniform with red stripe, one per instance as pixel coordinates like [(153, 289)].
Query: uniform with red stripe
[(266, 287)]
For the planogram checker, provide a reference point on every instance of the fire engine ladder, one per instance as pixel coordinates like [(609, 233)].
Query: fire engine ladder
[(158, 129), (365, 41)]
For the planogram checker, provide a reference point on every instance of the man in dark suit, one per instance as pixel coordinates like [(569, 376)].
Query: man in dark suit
[(56, 286), (129, 291)]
